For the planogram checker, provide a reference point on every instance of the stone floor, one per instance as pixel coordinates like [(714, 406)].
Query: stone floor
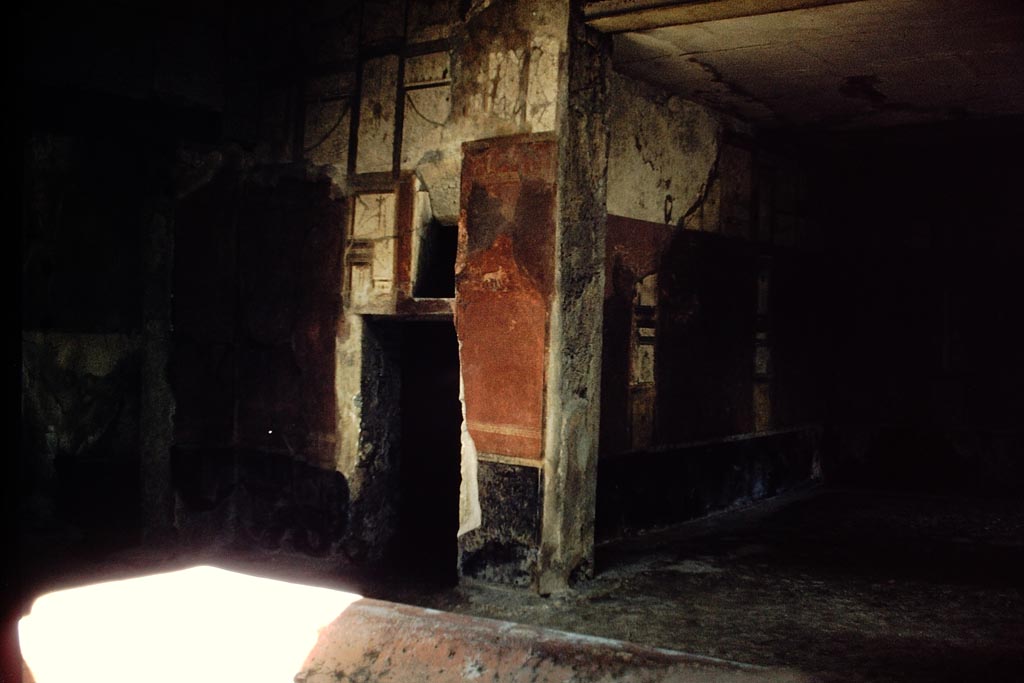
[(846, 585)]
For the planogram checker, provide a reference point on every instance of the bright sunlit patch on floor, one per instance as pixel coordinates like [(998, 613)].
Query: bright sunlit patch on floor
[(200, 624)]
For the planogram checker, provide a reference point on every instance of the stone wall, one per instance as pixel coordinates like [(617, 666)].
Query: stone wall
[(663, 153), (409, 92), (573, 417), (504, 292), (661, 487), (94, 295), (107, 97), (316, 156), (418, 98), (709, 257), (256, 313), (371, 103), (702, 219)]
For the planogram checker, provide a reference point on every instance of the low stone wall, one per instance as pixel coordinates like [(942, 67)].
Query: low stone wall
[(383, 641), (642, 490)]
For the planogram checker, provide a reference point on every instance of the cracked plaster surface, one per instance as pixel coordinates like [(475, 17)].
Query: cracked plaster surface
[(662, 154)]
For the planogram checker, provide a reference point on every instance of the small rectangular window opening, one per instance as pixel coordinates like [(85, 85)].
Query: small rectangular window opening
[(435, 268)]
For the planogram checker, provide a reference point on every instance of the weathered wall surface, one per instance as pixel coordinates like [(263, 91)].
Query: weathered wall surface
[(374, 92), (302, 115), (689, 303), (504, 289), (704, 350), (505, 548), (573, 416), (662, 155), (80, 413), (111, 93), (456, 74), (374, 472), (705, 292), (632, 254), (256, 318), (405, 100), (504, 81), (93, 309), (504, 285)]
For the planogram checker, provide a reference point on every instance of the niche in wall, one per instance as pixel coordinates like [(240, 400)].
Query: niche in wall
[(435, 264)]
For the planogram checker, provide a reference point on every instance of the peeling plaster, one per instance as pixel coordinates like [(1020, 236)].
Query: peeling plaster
[(502, 76), (349, 357), (575, 348), (505, 72), (470, 516), (662, 153), (375, 151), (703, 213)]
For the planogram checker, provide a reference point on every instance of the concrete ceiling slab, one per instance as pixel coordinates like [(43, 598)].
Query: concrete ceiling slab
[(838, 65)]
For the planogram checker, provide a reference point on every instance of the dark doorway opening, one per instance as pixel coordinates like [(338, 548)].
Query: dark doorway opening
[(429, 469)]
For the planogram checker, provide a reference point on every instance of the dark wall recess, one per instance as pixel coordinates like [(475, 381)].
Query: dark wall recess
[(435, 269), (429, 475)]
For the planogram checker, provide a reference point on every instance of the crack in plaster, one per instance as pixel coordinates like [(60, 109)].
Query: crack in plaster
[(705, 187)]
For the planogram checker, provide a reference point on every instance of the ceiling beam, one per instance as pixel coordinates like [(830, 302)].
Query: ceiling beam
[(619, 16)]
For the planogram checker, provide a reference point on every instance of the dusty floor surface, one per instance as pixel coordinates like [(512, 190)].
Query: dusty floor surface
[(846, 585)]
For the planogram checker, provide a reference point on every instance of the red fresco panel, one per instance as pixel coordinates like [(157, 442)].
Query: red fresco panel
[(503, 290)]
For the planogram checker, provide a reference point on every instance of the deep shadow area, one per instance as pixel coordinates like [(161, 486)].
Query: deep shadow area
[(922, 246), (429, 461), (436, 264)]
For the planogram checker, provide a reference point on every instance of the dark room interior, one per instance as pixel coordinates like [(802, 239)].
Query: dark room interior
[(692, 324)]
